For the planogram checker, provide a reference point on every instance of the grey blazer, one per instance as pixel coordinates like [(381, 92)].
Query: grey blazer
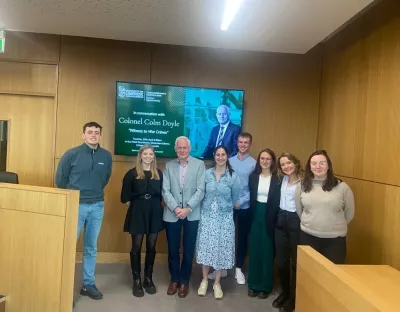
[(192, 192)]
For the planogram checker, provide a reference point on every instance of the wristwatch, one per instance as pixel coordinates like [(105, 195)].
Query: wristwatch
[(190, 209)]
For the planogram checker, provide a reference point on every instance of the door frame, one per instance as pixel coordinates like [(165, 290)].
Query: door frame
[(8, 139)]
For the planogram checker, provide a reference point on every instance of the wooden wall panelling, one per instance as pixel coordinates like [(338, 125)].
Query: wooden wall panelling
[(265, 77), (391, 225), (383, 104), (341, 115), (89, 69), (28, 78), (31, 47), (358, 125), (287, 95), (364, 240), (248, 67), (372, 235), (199, 67), (360, 99)]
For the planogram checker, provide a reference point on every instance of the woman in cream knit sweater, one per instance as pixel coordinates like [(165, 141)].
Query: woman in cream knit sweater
[(325, 206)]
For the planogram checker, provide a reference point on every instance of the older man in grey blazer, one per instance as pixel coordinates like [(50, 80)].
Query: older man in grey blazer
[(183, 191)]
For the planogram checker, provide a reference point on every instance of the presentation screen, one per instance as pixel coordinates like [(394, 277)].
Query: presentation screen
[(158, 114)]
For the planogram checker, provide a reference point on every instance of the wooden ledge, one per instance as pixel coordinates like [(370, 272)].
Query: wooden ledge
[(2, 303)]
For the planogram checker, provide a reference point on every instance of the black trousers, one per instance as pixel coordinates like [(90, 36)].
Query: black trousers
[(287, 237), (333, 249), (243, 219)]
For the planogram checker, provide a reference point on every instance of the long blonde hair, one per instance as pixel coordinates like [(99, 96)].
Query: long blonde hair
[(153, 165)]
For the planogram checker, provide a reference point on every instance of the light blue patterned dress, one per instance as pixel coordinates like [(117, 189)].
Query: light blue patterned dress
[(216, 234)]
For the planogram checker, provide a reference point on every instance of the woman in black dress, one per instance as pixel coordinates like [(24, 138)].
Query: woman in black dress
[(141, 192)]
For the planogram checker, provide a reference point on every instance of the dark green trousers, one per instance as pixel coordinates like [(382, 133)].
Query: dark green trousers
[(261, 252)]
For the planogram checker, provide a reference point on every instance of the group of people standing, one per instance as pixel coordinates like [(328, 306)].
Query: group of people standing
[(276, 205)]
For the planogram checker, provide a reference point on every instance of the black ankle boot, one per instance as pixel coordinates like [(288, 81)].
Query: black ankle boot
[(149, 286), (288, 306), (280, 300), (137, 289)]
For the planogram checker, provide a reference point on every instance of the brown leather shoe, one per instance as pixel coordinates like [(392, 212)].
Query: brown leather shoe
[(183, 291), (172, 288)]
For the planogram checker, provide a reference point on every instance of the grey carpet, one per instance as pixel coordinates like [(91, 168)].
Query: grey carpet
[(114, 281)]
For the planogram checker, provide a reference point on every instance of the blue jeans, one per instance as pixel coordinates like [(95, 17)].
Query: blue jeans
[(180, 273), (90, 217)]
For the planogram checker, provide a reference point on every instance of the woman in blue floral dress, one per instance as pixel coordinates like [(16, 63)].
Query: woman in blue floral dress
[(216, 234)]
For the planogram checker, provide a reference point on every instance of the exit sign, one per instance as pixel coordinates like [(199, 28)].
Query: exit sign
[(2, 40)]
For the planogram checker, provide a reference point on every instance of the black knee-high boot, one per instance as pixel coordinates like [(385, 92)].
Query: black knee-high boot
[(284, 277), (148, 272), (137, 289)]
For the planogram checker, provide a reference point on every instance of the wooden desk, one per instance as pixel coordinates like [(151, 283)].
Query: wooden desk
[(323, 286)]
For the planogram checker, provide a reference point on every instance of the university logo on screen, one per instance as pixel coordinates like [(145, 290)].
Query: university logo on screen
[(126, 93)]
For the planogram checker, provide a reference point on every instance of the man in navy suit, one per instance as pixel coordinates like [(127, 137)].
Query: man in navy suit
[(226, 134)]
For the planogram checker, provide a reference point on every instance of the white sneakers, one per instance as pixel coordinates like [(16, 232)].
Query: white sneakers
[(202, 291), (211, 276), (218, 294), (240, 279)]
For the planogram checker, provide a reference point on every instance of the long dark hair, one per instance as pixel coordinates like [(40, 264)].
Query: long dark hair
[(273, 167), (228, 165), (330, 182)]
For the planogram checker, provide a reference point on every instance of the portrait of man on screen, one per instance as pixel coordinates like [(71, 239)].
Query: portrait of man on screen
[(226, 133)]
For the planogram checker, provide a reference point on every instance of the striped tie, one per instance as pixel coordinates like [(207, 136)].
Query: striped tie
[(220, 136)]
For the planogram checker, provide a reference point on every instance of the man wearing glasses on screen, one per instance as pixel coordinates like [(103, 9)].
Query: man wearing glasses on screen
[(226, 134)]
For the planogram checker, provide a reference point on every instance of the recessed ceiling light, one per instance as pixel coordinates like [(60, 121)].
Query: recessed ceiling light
[(231, 8)]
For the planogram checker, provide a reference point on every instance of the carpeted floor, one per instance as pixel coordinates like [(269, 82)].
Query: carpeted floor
[(114, 281)]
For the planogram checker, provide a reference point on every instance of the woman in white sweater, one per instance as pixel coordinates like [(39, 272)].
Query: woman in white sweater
[(325, 206)]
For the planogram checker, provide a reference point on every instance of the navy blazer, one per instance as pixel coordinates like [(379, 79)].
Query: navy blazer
[(229, 140), (274, 197)]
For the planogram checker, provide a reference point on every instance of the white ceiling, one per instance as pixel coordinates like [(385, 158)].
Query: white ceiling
[(291, 26)]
